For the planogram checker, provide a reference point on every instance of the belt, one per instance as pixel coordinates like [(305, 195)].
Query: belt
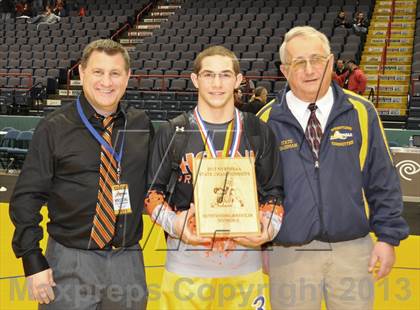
[(112, 248), (116, 248)]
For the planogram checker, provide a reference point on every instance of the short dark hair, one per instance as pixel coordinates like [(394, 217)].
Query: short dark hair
[(216, 50), (107, 46)]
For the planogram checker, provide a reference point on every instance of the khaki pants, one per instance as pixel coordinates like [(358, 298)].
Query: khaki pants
[(300, 277)]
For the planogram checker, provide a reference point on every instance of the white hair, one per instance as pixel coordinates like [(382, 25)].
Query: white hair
[(303, 31)]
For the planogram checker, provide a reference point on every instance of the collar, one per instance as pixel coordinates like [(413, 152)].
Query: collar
[(281, 112), (300, 107), (91, 113)]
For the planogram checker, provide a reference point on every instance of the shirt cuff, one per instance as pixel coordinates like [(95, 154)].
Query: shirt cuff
[(389, 240), (34, 262)]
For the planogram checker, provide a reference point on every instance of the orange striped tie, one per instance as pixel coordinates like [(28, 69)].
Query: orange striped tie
[(104, 221)]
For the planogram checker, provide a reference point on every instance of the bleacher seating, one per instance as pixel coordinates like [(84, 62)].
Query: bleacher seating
[(58, 46), (38, 59), (252, 29)]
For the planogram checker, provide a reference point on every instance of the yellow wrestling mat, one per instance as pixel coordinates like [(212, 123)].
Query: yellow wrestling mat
[(400, 290)]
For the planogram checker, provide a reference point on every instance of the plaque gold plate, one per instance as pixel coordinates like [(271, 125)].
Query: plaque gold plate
[(225, 197)]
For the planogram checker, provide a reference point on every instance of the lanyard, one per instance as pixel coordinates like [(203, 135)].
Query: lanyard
[(234, 144), (99, 138)]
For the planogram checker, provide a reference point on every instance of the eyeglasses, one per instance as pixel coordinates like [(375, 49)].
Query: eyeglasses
[(209, 76), (314, 61)]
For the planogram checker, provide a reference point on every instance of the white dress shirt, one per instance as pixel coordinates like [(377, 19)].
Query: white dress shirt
[(301, 112)]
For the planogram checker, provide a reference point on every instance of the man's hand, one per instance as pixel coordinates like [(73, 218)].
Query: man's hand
[(266, 235), (384, 254), (40, 286), (185, 228)]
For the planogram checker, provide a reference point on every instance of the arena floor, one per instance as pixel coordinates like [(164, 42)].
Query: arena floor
[(401, 290)]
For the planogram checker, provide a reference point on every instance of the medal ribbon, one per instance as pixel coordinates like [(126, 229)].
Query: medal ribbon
[(231, 144)]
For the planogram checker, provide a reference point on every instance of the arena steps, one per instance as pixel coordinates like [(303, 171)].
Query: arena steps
[(145, 27), (399, 4), (390, 78), (404, 49), (390, 68), (395, 77), (391, 59), (404, 40)]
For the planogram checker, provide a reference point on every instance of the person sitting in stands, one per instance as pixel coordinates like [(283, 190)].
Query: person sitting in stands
[(82, 11), (341, 20), (360, 24), (25, 10), (48, 17), (60, 8)]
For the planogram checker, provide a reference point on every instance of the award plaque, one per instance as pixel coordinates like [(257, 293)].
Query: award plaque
[(225, 196)]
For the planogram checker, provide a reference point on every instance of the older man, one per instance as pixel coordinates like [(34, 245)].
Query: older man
[(339, 184)]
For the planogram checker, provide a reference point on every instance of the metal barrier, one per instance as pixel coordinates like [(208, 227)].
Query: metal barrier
[(126, 25), (381, 69), (145, 10), (165, 77), (25, 75), (371, 94), (69, 75)]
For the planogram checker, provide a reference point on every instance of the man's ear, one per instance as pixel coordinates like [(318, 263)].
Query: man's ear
[(239, 79), (81, 73), (194, 79), (331, 64), (284, 70), (128, 77)]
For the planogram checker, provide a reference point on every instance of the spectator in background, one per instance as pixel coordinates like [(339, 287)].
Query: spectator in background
[(340, 67), (18, 8), (237, 99), (7, 9), (341, 20), (360, 23), (82, 11), (48, 17), (258, 100), (25, 11), (38, 6), (354, 79), (246, 88), (60, 8)]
